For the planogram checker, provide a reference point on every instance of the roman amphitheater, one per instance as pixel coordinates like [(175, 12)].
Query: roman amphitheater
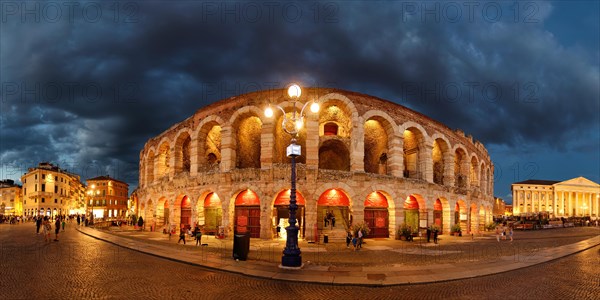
[(363, 159)]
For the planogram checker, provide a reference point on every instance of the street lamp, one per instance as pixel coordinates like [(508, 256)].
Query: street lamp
[(291, 254), (92, 193)]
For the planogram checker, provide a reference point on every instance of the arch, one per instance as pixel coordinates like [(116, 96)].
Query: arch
[(334, 155), (209, 142), (348, 104), (185, 212), (460, 214), (474, 171), (150, 168), (163, 213), (182, 151), (391, 126), (442, 214), (414, 151), (164, 157), (247, 128), (482, 178), (461, 167), (281, 213), (378, 132), (333, 197), (439, 154), (333, 203), (473, 218), (283, 198), (411, 212)]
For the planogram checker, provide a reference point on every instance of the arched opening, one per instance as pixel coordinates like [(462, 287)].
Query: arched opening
[(164, 156), (213, 213), (149, 216), (376, 147), (334, 203), (460, 169), (413, 139), (440, 149), (182, 153), (281, 213), (438, 215), (411, 213), (162, 214), (376, 215), (209, 146), (248, 131), (334, 155), (150, 168), (330, 128), (474, 172), (473, 223), (247, 214), (482, 219), (186, 213), (460, 215)]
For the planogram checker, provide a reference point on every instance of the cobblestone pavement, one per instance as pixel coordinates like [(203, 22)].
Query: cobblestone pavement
[(385, 251), (79, 266)]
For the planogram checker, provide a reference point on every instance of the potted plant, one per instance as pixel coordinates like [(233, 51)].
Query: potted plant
[(456, 230), (404, 232)]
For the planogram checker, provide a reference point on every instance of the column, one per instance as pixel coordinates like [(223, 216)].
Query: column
[(312, 142), (425, 161), (357, 145), (227, 148), (267, 141), (515, 203), (396, 158)]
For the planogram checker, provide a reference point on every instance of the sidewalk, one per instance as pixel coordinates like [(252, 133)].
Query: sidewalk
[(334, 264)]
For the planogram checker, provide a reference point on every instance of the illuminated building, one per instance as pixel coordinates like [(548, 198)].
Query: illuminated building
[(362, 158)]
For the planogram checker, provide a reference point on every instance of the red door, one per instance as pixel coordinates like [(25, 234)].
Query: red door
[(247, 219), (377, 220)]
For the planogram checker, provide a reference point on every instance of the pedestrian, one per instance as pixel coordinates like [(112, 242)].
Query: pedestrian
[(348, 239), (181, 235), (198, 236), (504, 233), (78, 220), (63, 225), (510, 233), (360, 239), (354, 242), (435, 236), (332, 220), (428, 234), (56, 228), (38, 223), (46, 228), (498, 233), (326, 219)]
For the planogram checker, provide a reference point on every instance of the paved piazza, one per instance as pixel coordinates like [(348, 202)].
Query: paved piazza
[(79, 266)]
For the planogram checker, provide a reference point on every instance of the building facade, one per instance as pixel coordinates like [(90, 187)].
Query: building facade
[(363, 159), (50, 191), (577, 197), (107, 198), (499, 207), (11, 198)]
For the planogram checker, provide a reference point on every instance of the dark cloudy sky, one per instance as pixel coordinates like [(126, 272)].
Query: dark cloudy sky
[(86, 84)]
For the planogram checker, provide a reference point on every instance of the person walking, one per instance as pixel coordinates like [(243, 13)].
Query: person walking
[(181, 235), (46, 228), (435, 236), (504, 233), (348, 239), (360, 239), (38, 223), (56, 228), (428, 234), (198, 235), (510, 233), (63, 225), (498, 233)]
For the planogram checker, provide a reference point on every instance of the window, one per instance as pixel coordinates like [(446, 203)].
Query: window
[(55, 200), (25, 202), (330, 129), (35, 176), (104, 202), (43, 187), (55, 189), (25, 180), (43, 176), (34, 200), (91, 202), (43, 200), (103, 192), (24, 191), (35, 188)]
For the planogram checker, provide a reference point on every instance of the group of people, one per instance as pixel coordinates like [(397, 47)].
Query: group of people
[(329, 218), (196, 234), (431, 233), (356, 240), (46, 226), (504, 232)]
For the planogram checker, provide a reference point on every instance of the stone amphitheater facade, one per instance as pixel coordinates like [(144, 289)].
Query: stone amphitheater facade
[(363, 158)]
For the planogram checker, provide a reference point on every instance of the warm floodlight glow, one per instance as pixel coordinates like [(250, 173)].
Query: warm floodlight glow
[(294, 91), (269, 112), (314, 107), (299, 124)]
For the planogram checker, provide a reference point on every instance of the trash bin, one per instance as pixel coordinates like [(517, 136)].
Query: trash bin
[(241, 246), (325, 239)]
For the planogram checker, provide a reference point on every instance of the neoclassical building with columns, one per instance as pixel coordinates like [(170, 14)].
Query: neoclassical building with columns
[(364, 159), (577, 197)]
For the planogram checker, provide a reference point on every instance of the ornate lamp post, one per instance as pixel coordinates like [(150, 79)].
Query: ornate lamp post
[(291, 254)]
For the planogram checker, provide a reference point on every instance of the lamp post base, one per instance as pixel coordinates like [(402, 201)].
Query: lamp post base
[(291, 262)]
